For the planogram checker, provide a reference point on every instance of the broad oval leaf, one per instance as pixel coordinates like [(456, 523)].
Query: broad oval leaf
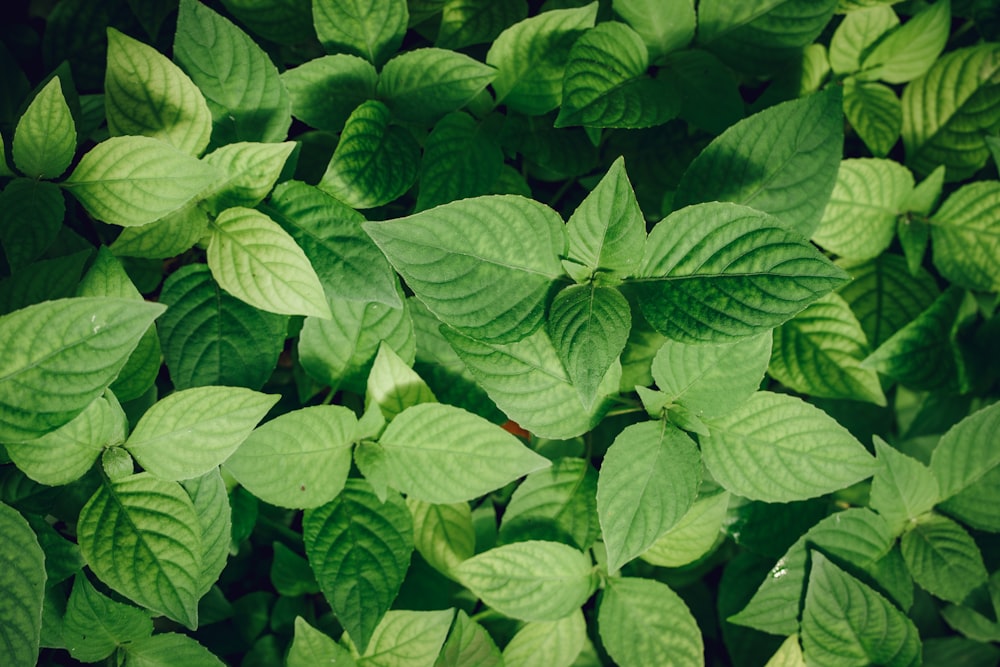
[(373, 29), (943, 558), (443, 533), (311, 647), (967, 451), (966, 236), (251, 170), (22, 585), (406, 637), (45, 138), (95, 625), (909, 50), (326, 90), (286, 22), (875, 113), (778, 448), (550, 643), (462, 158), (693, 536)]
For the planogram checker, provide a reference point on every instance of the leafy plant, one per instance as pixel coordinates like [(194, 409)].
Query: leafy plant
[(475, 332)]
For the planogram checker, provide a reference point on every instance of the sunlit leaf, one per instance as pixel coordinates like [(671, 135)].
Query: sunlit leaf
[(553, 643), (875, 113), (45, 138), (663, 26)]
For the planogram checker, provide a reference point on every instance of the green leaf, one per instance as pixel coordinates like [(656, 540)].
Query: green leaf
[(551, 643), (846, 622), (286, 22), (96, 625), (782, 161), (360, 550), (468, 22), (406, 638), (778, 448), (169, 236), (958, 97), (530, 581), (348, 264), (44, 280), (943, 558), (909, 50), (707, 90), (211, 503), (966, 452), (394, 386), (146, 94), (290, 573), (22, 586), (648, 481), (974, 505), (789, 655), (168, 649), (443, 454), (450, 256), (142, 537), (468, 645), (45, 138), (531, 55), (903, 488), (251, 170), (643, 622), (857, 34), (443, 533), (375, 162), (133, 181), (663, 26), (693, 535), (461, 159), (422, 85), (312, 647), (240, 83), (373, 30), (966, 236), (31, 215), (711, 379), (325, 90), (875, 113), (716, 272), (47, 380), (255, 260), (298, 460)]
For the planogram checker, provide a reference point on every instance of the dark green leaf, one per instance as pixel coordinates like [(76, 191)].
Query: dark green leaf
[(95, 625), (325, 90), (31, 213), (22, 585), (943, 558), (467, 22), (373, 30), (461, 159)]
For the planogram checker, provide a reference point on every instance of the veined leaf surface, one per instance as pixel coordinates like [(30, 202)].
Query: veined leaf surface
[(468, 645), (251, 170), (461, 159), (95, 625), (909, 50), (405, 637), (443, 533), (875, 113), (22, 584), (966, 237), (372, 30), (551, 643), (663, 26), (966, 452), (943, 558), (311, 647), (467, 22), (45, 138), (31, 215), (422, 85), (325, 90), (857, 33), (903, 488)]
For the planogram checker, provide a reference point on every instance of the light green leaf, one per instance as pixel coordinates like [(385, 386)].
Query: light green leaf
[(530, 57), (469, 645), (31, 215), (788, 655), (408, 639), (251, 170), (169, 236), (903, 488), (845, 622), (360, 550), (452, 256), (716, 272), (22, 587), (255, 260), (958, 97), (910, 50), (142, 537), (648, 481), (394, 386), (966, 237), (45, 138), (146, 94), (875, 113), (298, 460), (943, 559), (117, 464), (240, 82), (311, 647), (857, 34), (643, 622), (95, 625), (133, 181), (443, 534), (422, 85), (375, 162), (327, 89), (663, 26), (373, 30), (47, 380), (550, 643), (443, 454), (462, 158), (693, 535), (290, 573), (975, 504), (967, 451), (711, 379), (167, 649), (778, 448), (530, 581), (211, 503)]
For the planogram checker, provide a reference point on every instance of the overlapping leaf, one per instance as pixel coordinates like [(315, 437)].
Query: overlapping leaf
[(857, 33), (966, 452), (95, 625), (211, 504), (167, 237), (467, 22), (469, 644), (554, 643), (324, 91), (423, 85), (693, 535), (909, 50), (406, 637), (251, 170), (943, 558), (903, 488), (169, 648), (394, 386), (443, 533), (663, 26), (966, 237), (875, 113), (461, 159), (373, 30), (310, 647)]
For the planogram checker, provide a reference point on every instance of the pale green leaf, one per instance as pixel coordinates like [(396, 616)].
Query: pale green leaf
[(95, 625), (298, 460), (943, 558), (550, 643), (648, 481), (462, 158), (693, 535), (360, 550), (789, 655), (422, 85), (467, 22), (211, 503), (373, 29), (443, 533), (975, 505), (327, 89), (117, 464), (142, 537), (778, 448), (255, 260), (452, 256), (967, 451), (857, 34), (47, 380), (716, 272), (311, 647), (408, 639), (642, 622), (169, 236), (31, 215), (966, 237), (530, 581), (146, 94), (875, 113), (902, 488), (394, 386), (251, 171), (167, 649), (910, 50), (469, 645), (663, 26), (22, 589), (45, 138)]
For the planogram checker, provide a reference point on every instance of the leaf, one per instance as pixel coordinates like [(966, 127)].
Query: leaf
[(857, 34), (290, 573), (133, 181), (903, 488), (461, 159), (45, 138), (373, 30), (141, 536), (443, 533), (974, 505), (943, 558), (706, 89), (530, 581), (47, 380), (912, 48), (966, 452), (211, 502), (95, 626), (663, 26), (443, 454), (241, 85), (468, 645), (22, 584), (782, 161), (360, 550), (530, 57), (648, 481), (957, 97), (298, 460), (452, 255), (408, 638), (394, 386), (169, 236), (311, 647), (324, 91), (375, 162), (145, 94), (167, 649), (778, 448), (31, 215), (789, 655), (716, 272), (552, 643), (846, 622), (286, 22), (875, 113), (422, 85), (643, 622), (44, 280), (693, 535), (468, 22), (254, 259), (212, 338), (966, 237), (251, 170)]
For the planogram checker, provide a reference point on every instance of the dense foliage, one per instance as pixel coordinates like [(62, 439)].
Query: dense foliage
[(451, 333)]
